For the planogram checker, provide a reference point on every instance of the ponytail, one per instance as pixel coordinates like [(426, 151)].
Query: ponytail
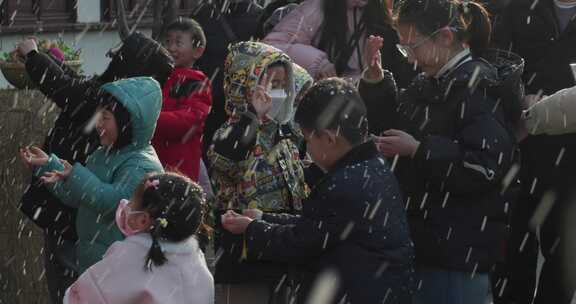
[(155, 254), (177, 205), (477, 25)]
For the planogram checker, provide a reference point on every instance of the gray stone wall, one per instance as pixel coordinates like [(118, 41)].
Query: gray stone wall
[(25, 118)]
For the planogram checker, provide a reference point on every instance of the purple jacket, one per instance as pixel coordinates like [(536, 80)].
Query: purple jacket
[(298, 35)]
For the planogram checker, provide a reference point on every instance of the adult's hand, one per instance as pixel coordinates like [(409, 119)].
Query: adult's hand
[(396, 142), (373, 58)]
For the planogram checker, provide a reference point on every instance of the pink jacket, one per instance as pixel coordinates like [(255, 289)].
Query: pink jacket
[(120, 277), (298, 35)]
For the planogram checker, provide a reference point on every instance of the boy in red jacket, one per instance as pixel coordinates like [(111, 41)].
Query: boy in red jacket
[(187, 99)]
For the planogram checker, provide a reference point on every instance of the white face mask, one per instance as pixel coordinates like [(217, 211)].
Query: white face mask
[(281, 110)]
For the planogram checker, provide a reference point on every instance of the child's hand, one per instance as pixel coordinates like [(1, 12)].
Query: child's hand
[(255, 214), (56, 176), (235, 223), (33, 156), (27, 46), (260, 100), (396, 142), (372, 57)]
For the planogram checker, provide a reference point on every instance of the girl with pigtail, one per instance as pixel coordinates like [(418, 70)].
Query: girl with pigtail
[(160, 260)]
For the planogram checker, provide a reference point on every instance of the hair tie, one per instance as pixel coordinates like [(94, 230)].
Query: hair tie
[(163, 222), (152, 183)]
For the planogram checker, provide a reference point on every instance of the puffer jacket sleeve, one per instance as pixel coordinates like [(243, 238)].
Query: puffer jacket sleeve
[(68, 90), (195, 99), (296, 33), (381, 102), (553, 115), (476, 159), (303, 239), (82, 187)]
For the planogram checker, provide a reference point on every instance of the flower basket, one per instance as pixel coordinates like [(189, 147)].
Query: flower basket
[(14, 70), (15, 73)]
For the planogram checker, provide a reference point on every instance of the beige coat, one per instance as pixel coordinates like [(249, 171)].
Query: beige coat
[(554, 114)]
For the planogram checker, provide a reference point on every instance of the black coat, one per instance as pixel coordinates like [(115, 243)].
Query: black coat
[(237, 24), (453, 183), (353, 222), (548, 53), (66, 139)]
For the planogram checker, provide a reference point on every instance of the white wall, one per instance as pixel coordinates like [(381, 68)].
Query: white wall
[(89, 11), (94, 47)]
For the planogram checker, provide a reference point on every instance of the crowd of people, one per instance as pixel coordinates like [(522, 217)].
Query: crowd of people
[(323, 151)]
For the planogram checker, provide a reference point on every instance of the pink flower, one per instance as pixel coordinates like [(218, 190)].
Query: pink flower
[(57, 53)]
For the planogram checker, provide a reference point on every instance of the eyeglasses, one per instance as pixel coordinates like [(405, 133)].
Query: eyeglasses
[(408, 49)]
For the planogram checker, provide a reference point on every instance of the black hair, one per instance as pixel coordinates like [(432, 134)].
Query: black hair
[(191, 27), (123, 120), (139, 56), (334, 104), (178, 207), (334, 31), (469, 19)]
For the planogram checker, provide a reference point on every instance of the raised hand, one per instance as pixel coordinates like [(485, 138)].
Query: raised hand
[(33, 156), (372, 57), (260, 100)]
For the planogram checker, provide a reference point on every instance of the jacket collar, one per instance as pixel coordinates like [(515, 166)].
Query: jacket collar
[(358, 154), (460, 58)]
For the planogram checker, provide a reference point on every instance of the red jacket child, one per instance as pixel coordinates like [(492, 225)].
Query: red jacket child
[(187, 99)]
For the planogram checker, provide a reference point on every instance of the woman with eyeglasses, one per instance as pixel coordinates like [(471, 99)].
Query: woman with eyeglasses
[(451, 142), (328, 38)]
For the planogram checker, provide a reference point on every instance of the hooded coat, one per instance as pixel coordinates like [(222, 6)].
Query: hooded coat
[(253, 165), (110, 175), (77, 97)]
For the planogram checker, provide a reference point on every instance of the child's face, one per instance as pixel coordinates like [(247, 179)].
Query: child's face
[(182, 49), (137, 219), (319, 147), (277, 76), (107, 128)]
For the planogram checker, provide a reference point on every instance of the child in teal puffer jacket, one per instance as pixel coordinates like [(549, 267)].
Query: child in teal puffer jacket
[(125, 121)]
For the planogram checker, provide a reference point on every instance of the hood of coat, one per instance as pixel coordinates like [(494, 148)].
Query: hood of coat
[(142, 97), (245, 65)]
